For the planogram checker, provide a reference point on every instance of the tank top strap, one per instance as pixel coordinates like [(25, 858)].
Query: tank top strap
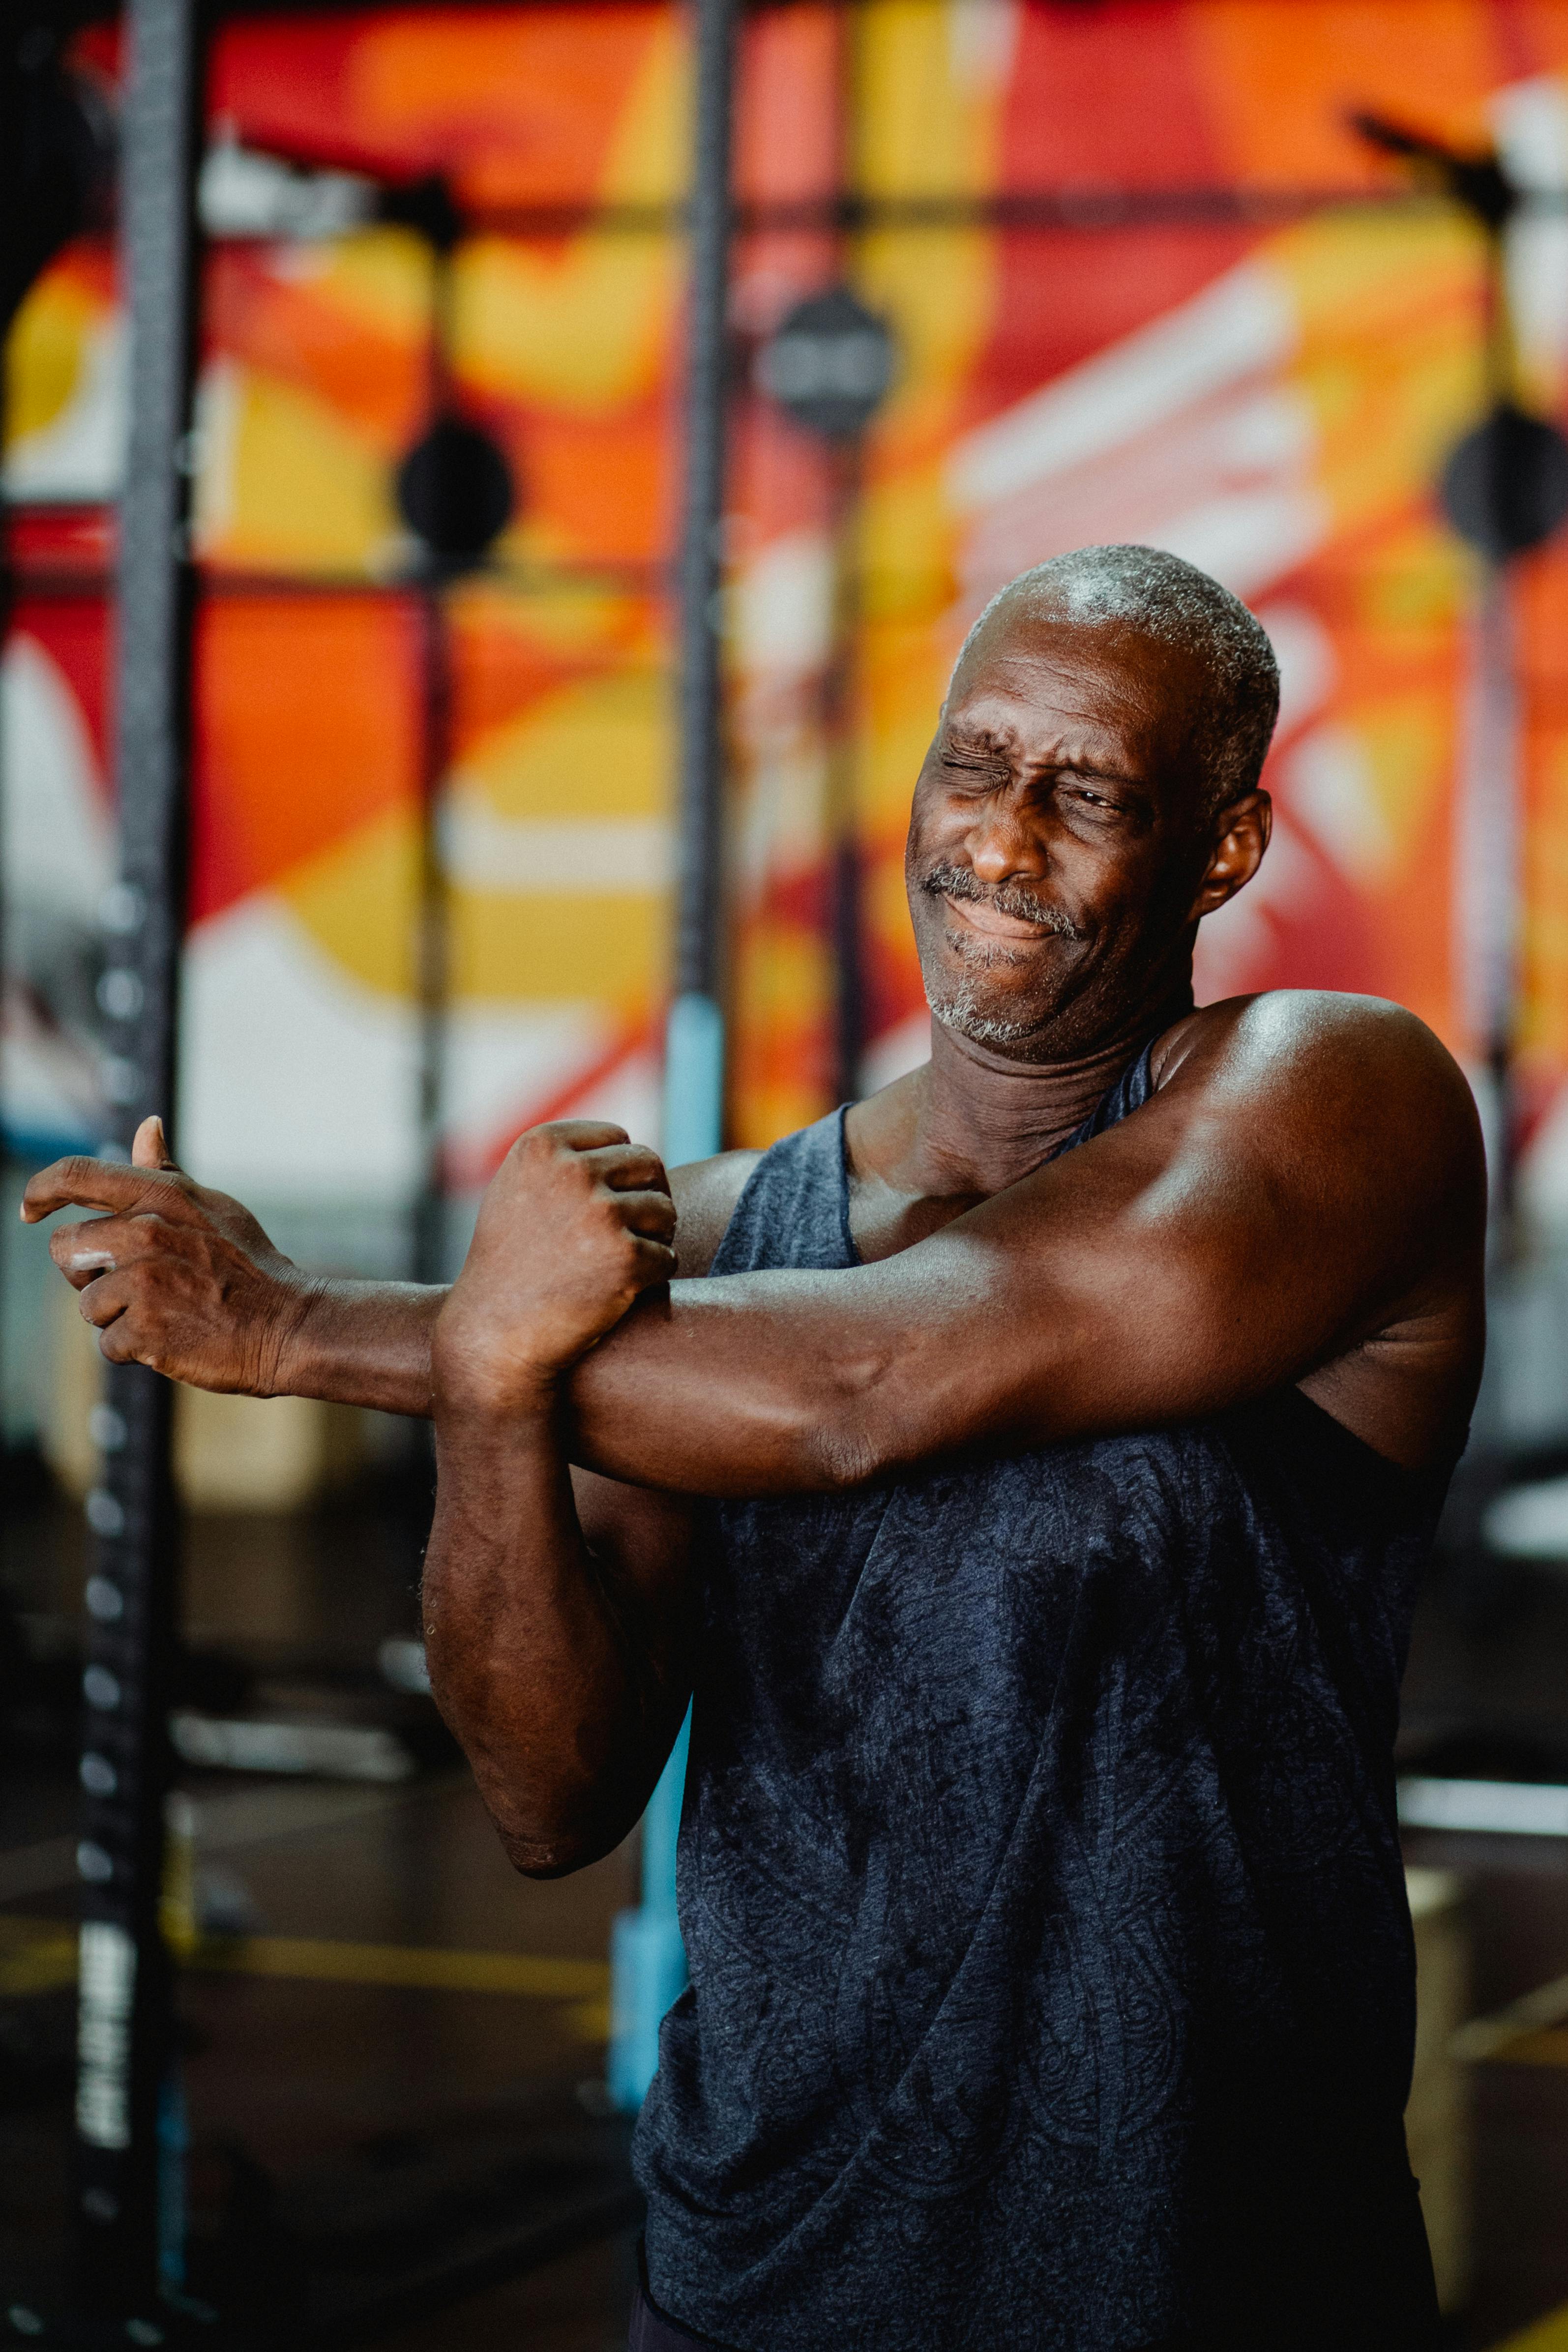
[(1130, 1093), (794, 1211)]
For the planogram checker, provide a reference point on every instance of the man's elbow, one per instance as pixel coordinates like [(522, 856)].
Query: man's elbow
[(552, 1841), (551, 1857), (846, 1432), (841, 1450), (554, 1818)]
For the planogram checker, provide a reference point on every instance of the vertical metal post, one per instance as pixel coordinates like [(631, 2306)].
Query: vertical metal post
[(123, 2085), (847, 460), (433, 942), (649, 1962), (432, 956), (701, 574), (1489, 816), (838, 720), (1488, 829)]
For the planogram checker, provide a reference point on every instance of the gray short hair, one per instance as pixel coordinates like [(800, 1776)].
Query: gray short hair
[(1177, 604)]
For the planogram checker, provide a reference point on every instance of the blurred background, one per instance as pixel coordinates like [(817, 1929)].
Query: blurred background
[(1280, 285)]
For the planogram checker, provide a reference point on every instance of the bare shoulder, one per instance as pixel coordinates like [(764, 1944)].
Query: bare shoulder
[(1358, 1068), (1357, 1128), (705, 1192)]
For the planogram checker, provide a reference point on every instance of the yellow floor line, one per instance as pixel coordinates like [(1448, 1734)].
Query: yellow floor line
[(397, 1964), (36, 1956), (1548, 2334), (39, 1954)]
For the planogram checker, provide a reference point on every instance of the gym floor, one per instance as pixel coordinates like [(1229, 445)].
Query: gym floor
[(380, 2021)]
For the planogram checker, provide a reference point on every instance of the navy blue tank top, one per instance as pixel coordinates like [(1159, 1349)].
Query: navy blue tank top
[(1052, 1978)]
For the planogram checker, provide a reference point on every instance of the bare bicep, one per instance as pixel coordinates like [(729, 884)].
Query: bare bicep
[(705, 1192)]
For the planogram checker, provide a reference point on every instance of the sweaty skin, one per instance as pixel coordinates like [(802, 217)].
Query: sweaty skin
[(1302, 1200)]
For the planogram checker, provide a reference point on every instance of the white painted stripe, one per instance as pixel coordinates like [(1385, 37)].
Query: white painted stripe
[(1247, 539), (1243, 322), (1309, 665), (1511, 1808), (538, 856)]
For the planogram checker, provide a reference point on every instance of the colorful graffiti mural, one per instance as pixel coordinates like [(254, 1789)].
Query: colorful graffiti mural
[(1226, 328)]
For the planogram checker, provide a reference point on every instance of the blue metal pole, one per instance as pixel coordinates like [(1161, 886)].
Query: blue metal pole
[(648, 1959), (646, 1956)]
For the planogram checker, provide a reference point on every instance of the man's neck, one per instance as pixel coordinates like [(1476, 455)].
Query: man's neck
[(974, 1121)]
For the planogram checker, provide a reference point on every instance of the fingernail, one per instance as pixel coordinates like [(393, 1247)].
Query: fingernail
[(91, 1257)]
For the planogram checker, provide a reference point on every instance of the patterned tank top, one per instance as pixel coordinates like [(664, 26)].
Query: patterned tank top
[(1052, 1977)]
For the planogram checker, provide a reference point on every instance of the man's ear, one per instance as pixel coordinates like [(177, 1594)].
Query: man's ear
[(1241, 837)]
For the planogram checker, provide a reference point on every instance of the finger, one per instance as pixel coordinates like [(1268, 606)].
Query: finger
[(122, 1343), (78, 1253), (150, 1146), (654, 1262), (79, 1183), (579, 1134), (104, 1301), (651, 1213), (628, 1168), (83, 1252)]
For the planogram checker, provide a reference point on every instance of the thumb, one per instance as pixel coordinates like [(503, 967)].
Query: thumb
[(149, 1147)]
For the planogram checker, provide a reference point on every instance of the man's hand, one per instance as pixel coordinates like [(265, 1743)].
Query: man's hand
[(578, 1221), (172, 1275)]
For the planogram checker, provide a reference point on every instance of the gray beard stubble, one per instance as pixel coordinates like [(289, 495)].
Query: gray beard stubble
[(959, 1008)]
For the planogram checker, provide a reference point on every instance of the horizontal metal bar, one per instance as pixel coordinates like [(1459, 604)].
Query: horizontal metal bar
[(1497, 1808), (1088, 209), (63, 582)]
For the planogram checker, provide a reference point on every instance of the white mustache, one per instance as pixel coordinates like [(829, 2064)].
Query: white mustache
[(1007, 897)]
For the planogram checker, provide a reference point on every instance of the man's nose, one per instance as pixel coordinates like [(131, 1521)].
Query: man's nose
[(1001, 842)]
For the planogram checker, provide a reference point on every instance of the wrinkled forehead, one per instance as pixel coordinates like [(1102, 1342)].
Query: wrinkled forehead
[(1042, 670)]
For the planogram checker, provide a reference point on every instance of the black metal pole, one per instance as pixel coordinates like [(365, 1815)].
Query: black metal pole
[(701, 556), (840, 730), (432, 958), (124, 2043), (847, 458), (433, 941)]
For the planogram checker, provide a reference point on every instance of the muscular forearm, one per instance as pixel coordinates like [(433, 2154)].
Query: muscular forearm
[(788, 1383), (780, 1382), (809, 1383), (552, 1675), (770, 1382), (365, 1343)]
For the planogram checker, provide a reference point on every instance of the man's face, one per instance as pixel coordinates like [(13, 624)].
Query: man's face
[(1058, 854)]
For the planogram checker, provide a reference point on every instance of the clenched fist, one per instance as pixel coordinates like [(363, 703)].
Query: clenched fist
[(173, 1276), (576, 1224)]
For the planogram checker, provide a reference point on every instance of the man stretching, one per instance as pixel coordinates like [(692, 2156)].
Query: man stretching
[(1032, 1500)]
